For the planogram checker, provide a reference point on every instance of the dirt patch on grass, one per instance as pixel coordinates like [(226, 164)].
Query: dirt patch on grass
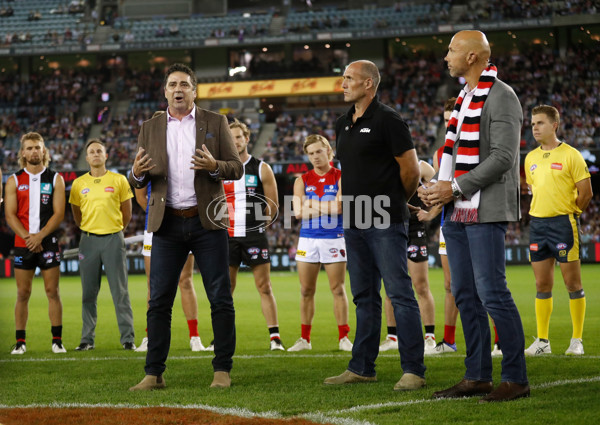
[(131, 416)]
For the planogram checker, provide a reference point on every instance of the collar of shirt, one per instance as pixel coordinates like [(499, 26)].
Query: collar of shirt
[(181, 145)]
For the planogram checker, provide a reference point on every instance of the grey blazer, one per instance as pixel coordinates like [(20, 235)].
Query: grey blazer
[(497, 175), (213, 131)]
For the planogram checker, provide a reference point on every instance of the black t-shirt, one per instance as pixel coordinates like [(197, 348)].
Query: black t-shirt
[(366, 150)]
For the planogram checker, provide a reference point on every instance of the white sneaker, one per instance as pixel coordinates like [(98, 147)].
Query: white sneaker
[(211, 347), (538, 348), (389, 344), (445, 348), (196, 344), (576, 347), (496, 352), (143, 346), (429, 346), (58, 348), (276, 344), (20, 348), (345, 344), (300, 345)]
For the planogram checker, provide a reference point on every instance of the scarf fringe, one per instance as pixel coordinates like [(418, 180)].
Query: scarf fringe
[(465, 215)]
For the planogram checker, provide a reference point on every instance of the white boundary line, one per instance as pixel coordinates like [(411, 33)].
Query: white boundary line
[(329, 416), (209, 355)]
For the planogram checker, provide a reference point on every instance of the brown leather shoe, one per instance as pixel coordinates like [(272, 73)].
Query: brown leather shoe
[(221, 380), (465, 388), (149, 383), (507, 391)]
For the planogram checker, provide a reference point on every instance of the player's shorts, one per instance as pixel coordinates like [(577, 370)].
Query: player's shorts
[(417, 244), (556, 237), (47, 259), (147, 249), (324, 251), (252, 249), (442, 248)]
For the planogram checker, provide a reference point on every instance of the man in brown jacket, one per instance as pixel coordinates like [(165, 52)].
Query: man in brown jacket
[(184, 154)]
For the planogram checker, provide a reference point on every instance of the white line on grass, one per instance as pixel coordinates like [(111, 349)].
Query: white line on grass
[(430, 400), (207, 356), (330, 417), (235, 411)]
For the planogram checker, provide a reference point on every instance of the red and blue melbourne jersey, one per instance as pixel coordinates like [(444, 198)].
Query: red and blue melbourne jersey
[(322, 188)]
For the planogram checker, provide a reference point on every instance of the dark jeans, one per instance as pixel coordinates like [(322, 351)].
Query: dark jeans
[(477, 263), (375, 254), (171, 244)]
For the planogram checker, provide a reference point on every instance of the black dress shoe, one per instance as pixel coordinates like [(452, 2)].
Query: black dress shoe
[(465, 388), (507, 391)]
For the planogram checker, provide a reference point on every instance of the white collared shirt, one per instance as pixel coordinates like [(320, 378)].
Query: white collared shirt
[(181, 145)]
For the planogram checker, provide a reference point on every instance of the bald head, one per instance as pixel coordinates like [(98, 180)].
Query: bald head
[(474, 42), (368, 70)]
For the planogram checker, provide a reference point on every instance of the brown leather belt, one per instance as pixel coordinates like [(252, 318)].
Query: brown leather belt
[(187, 212)]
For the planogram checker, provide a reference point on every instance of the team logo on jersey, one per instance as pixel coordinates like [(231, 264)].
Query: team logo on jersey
[(251, 180), (333, 250), (424, 250), (533, 247), (533, 167), (109, 189), (556, 166), (46, 188), (343, 252), (45, 199), (413, 248), (23, 187), (365, 130), (562, 253), (310, 188), (561, 245), (84, 191), (265, 254), (253, 250)]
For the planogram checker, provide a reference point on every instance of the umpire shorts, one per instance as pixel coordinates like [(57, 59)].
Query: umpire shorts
[(554, 237)]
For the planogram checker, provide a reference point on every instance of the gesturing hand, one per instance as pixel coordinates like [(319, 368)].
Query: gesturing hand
[(142, 163), (203, 160)]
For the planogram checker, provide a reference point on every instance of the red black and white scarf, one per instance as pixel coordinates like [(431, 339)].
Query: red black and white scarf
[(467, 154)]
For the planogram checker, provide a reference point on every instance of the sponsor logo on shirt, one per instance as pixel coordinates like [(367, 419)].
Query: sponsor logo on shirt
[(330, 189), (251, 180), (298, 253), (23, 187), (533, 247), (556, 166), (365, 130), (109, 189), (46, 188), (84, 191)]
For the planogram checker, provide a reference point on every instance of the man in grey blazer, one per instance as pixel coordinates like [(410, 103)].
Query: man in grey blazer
[(479, 180), (185, 153)]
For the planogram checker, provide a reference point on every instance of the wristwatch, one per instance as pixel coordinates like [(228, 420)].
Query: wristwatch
[(455, 189)]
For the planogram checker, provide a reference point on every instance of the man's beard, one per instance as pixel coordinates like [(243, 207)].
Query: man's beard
[(34, 161)]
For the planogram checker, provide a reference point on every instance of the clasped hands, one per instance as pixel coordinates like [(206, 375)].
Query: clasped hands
[(438, 193)]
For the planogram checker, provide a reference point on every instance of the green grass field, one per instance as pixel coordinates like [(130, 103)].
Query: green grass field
[(281, 384)]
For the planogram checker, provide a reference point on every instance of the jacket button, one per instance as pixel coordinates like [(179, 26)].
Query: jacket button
[(162, 199)]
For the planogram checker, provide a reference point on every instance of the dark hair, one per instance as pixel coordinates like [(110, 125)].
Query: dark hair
[(449, 105), (91, 141), (550, 111), (179, 67)]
